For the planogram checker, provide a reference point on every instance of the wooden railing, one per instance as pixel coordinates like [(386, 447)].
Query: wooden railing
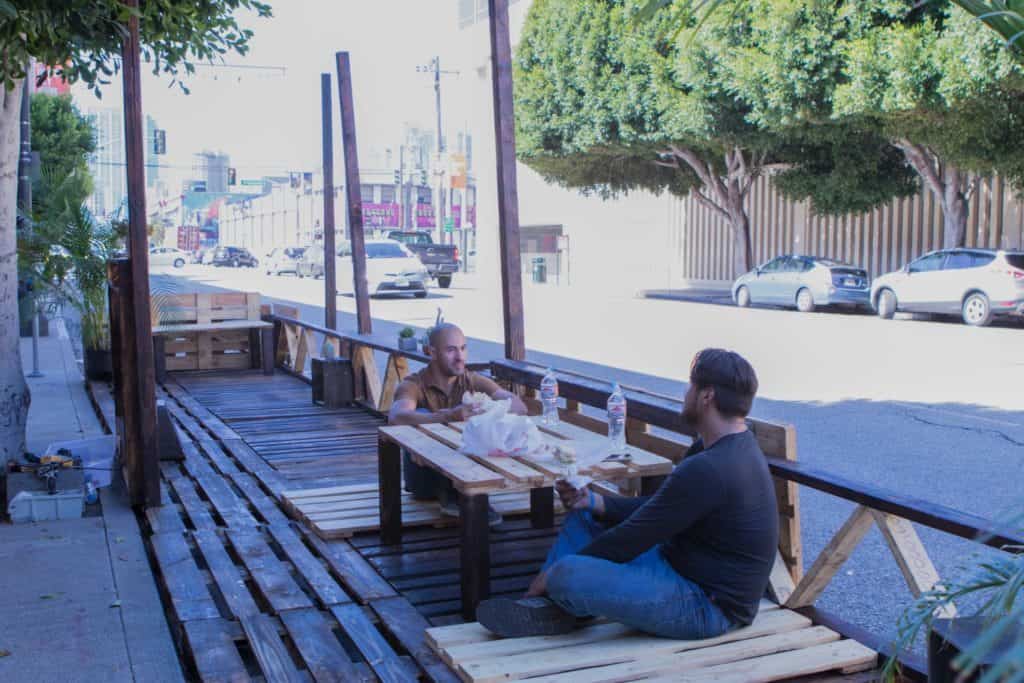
[(892, 512), (297, 343)]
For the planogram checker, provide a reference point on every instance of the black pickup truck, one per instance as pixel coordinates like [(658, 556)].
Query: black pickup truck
[(441, 260)]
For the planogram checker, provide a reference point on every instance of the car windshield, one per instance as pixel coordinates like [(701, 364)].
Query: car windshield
[(384, 250), (294, 252)]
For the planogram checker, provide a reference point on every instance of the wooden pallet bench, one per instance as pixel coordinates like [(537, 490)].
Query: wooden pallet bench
[(779, 645), (210, 331), (341, 511)]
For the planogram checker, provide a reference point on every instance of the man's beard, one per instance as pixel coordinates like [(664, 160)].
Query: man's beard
[(691, 415)]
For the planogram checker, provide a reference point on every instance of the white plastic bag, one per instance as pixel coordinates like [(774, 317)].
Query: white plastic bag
[(498, 432)]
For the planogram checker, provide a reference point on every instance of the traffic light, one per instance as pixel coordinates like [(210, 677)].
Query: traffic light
[(159, 141), (423, 177), (398, 177), (232, 176)]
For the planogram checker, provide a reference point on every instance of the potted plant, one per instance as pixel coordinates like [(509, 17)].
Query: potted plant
[(984, 641), (407, 339)]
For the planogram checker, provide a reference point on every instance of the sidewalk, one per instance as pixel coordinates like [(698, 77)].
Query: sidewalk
[(80, 601)]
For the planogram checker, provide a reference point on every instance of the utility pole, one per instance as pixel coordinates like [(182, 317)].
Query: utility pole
[(25, 197), (401, 187), (435, 67)]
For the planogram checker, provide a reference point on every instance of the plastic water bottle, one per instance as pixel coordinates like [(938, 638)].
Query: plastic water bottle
[(617, 419), (549, 398), (92, 495)]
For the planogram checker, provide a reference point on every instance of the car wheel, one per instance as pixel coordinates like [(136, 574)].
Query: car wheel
[(298, 273), (743, 297), (886, 304), (804, 300), (421, 295), (179, 263), (234, 263), (976, 310), (444, 281)]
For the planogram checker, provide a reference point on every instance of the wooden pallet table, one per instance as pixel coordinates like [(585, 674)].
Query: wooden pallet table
[(477, 478), (779, 645)]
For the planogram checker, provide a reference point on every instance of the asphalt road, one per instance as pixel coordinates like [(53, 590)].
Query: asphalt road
[(930, 409)]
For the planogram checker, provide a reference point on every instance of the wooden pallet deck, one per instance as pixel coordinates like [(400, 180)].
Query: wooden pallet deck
[(253, 594)]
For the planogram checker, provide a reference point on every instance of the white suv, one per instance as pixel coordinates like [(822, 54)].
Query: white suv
[(974, 283)]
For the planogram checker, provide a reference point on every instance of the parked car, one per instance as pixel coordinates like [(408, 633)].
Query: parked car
[(234, 257), (168, 256), (390, 268), (977, 284), (441, 260), (283, 260), (804, 282)]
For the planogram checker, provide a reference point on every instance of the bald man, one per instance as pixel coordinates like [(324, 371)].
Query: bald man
[(435, 394)]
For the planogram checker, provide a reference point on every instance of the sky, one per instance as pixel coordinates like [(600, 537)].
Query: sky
[(269, 122)]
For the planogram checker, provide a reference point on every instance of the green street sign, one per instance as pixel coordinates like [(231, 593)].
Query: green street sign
[(449, 225), (252, 182)]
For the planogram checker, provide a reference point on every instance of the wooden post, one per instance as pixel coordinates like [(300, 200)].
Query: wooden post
[(330, 269), (474, 552), (140, 430), (508, 193), (389, 473), (352, 189)]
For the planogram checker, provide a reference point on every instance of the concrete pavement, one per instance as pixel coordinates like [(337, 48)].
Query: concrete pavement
[(80, 601)]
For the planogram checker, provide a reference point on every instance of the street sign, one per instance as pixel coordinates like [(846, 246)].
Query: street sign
[(258, 183), (449, 224)]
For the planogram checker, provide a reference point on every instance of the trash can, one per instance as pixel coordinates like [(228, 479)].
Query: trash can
[(540, 270)]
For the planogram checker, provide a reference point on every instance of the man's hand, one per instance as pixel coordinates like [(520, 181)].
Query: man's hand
[(538, 586), (579, 499), (461, 413)]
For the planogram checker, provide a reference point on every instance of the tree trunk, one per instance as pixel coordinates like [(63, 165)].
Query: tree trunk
[(948, 184), (954, 211), (725, 194), (14, 393), (742, 255)]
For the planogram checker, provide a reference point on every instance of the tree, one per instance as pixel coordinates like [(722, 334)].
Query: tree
[(608, 104), (933, 79), (64, 138), (82, 38)]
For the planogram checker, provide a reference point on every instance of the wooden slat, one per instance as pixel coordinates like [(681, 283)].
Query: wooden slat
[(325, 587), (644, 667), (911, 556), (323, 654), (354, 572), (270, 574), (271, 653), (370, 643), (510, 468), (409, 627), (226, 575), (595, 646), (190, 502), (846, 656), (185, 584), (463, 472), (831, 558), (213, 649)]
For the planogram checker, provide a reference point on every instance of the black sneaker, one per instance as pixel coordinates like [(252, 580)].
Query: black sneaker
[(510, 618)]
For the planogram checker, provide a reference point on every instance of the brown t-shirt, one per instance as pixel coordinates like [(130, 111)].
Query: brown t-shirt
[(431, 395)]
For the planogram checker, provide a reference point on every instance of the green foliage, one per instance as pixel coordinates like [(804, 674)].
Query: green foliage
[(64, 138), (407, 333), (601, 93), (82, 38)]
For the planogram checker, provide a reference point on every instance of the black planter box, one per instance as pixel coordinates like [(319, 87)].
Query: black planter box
[(44, 326), (949, 637), (98, 363)]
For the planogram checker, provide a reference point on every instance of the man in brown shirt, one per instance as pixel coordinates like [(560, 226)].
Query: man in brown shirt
[(435, 394)]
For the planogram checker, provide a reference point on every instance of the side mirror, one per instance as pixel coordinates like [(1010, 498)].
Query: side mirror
[(907, 269), (757, 272)]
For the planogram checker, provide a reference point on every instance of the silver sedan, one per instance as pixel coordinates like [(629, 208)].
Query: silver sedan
[(804, 282)]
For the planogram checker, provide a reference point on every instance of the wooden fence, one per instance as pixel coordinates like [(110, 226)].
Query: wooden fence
[(881, 241)]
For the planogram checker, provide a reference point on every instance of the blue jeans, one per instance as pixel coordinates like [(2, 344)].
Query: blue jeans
[(645, 593)]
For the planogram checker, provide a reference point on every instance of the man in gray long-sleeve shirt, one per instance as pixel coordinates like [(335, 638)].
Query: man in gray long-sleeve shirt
[(691, 561)]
